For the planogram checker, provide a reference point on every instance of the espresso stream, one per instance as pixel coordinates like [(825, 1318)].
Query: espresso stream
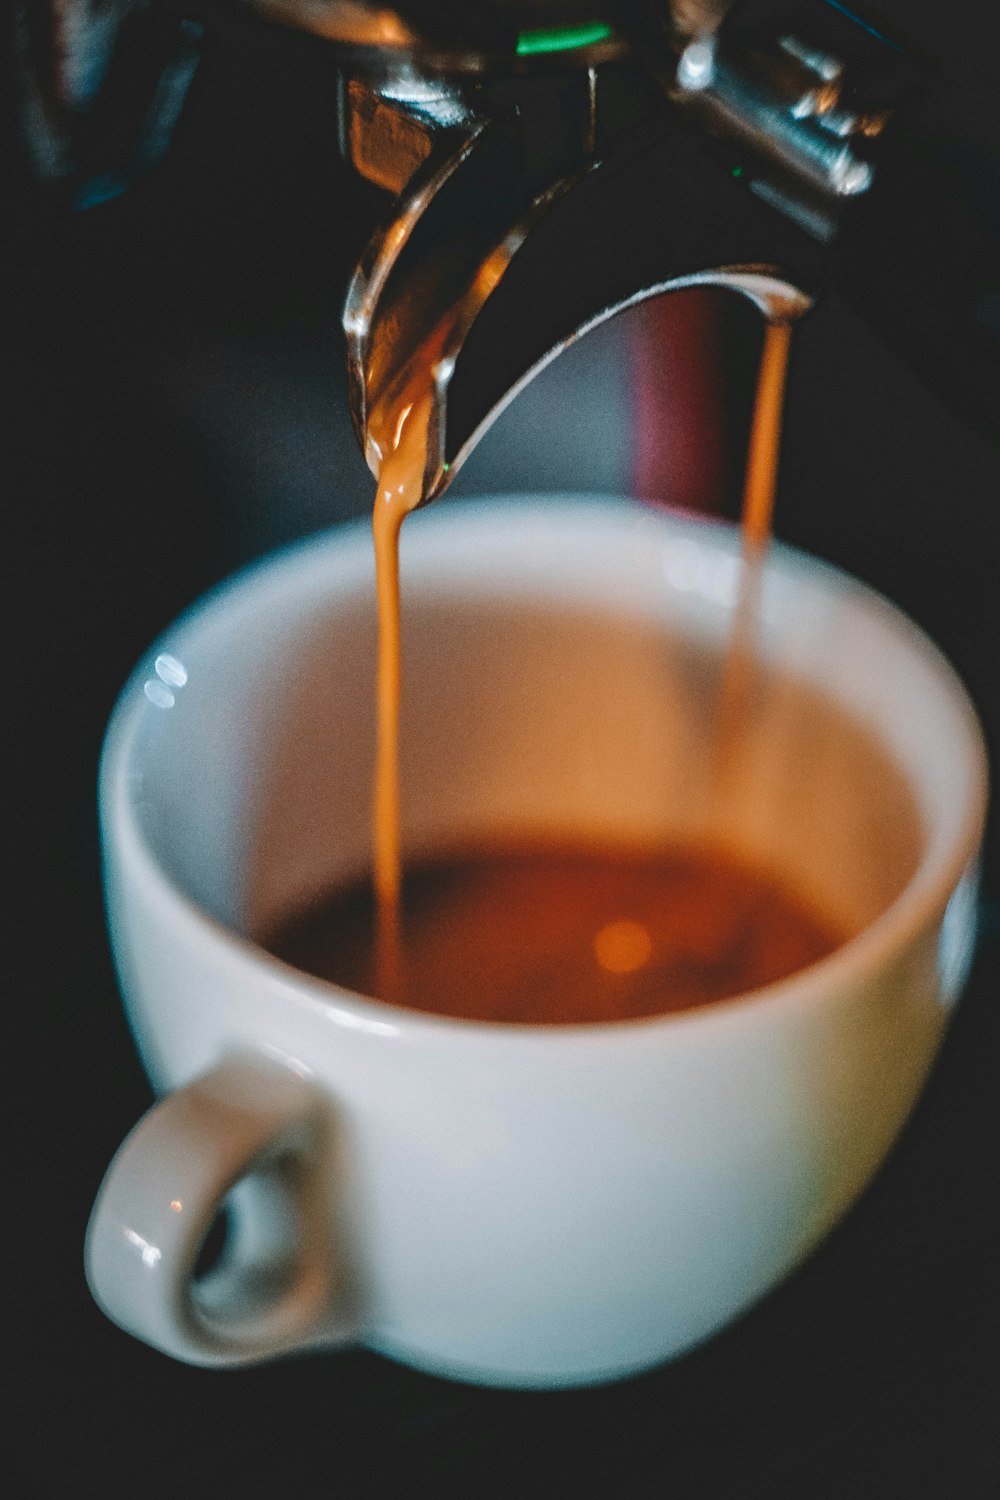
[(503, 918), (758, 512), (402, 437)]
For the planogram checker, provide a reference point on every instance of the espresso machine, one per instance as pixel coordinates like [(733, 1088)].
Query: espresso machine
[(228, 226), (531, 169)]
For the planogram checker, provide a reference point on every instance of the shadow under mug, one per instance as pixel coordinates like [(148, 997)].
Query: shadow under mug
[(515, 1205)]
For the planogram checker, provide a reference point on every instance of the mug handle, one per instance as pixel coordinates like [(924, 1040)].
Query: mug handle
[(250, 1136)]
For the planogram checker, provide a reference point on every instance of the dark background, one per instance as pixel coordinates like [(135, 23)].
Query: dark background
[(171, 405)]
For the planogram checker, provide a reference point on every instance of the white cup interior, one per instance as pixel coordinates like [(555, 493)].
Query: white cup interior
[(561, 672)]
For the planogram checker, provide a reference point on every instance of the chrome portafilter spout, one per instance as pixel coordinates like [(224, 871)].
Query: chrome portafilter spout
[(537, 164), (530, 167), (541, 191), (606, 246)]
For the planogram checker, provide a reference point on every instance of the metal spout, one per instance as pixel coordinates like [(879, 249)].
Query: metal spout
[(483, 299), (543, 204), (541, 163)]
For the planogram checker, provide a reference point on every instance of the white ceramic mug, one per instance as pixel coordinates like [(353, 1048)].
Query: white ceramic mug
[(515, 1205)]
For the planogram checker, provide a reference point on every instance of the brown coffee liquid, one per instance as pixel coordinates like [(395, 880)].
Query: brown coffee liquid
[(403, 435), (765, 432), (398, 429), (556, 935), (756, 522)]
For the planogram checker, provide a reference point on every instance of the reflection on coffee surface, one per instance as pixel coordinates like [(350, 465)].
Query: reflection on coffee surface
[(561, 935)]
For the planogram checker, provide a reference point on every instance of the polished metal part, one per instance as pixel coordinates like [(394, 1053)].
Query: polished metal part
[(774, 298), (479, 124), (784, 105), (426, 274), (790, 116)]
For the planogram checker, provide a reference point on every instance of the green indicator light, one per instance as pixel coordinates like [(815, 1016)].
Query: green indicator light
[(561, 38), (736, 172), (445, 468)]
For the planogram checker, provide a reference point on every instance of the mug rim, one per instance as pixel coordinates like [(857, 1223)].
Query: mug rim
[(921, 901)]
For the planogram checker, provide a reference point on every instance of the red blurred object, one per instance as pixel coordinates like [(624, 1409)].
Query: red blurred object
[(679, 455)]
